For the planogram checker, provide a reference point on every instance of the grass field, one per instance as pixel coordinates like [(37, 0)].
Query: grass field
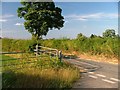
[(41, 72)]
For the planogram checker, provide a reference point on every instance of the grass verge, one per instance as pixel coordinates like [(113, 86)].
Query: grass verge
[(42, 73)]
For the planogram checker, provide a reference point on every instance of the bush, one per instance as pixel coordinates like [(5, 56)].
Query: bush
[(10, 45), (95, 45)]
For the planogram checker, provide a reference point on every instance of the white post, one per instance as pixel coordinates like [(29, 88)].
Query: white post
[(60, 56), (56, 53), (37, 50), (50, 54)]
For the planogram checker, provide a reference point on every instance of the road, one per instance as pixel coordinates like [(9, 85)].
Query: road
[(96, 74)]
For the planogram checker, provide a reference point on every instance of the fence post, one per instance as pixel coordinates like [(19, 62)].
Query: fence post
[(50, 55), (37, 50), (60, 55), (56, 54)]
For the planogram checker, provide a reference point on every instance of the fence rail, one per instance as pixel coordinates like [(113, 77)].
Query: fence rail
[(11, 52), (48, 50), (38, 51), (21, 60)]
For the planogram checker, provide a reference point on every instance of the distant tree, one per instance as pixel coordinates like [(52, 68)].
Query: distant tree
[(40, 17), (80, 36), (99, 36), (93, 36), (109, 33)]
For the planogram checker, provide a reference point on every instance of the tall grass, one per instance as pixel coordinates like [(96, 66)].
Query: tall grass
[(41, 78), (41, 72)]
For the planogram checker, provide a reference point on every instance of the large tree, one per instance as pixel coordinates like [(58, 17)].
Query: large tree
[(40, 17)]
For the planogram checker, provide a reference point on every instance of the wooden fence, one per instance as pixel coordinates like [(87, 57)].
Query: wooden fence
[(38, 51)]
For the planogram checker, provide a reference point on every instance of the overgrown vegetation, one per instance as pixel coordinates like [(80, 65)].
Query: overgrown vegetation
[(95, 45), (16, 45), (106, 45), (41, 72)]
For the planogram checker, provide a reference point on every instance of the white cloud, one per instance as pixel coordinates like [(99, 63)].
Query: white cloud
[(82, 19), (112, 15), (19, 24), (95, 15), (3, 20), (7, 16), (92, 16), (75, 17)]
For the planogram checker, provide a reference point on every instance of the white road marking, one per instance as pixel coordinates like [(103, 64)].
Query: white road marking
[(108, 81), (91, 72), (115, 79), (100, 75), (92, 76)]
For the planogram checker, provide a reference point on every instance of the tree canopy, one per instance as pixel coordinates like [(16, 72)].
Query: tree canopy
[(40, 17), (80, 36), (109, 33), (93, 36)]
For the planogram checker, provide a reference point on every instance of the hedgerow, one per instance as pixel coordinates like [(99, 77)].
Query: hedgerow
[(93, 45)]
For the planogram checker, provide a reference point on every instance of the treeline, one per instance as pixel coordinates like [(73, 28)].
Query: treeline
[(107, 44), (96, 45)]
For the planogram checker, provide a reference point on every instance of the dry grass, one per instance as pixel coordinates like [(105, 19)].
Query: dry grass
[(98, 58), (39, 74), (44, 78)]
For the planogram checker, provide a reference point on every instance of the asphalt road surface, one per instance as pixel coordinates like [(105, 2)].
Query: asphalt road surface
[(96, 74)]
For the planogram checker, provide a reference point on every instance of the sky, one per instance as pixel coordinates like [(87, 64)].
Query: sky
[(80, 17)]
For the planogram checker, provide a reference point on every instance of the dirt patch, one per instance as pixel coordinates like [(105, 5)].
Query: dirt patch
[(98, 58)]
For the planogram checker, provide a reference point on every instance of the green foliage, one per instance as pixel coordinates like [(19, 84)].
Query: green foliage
[(11, 45), (109, 33), (93, 45), (82, 44), (8, 79), (40, 17), (81, 37), (93, 36)]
